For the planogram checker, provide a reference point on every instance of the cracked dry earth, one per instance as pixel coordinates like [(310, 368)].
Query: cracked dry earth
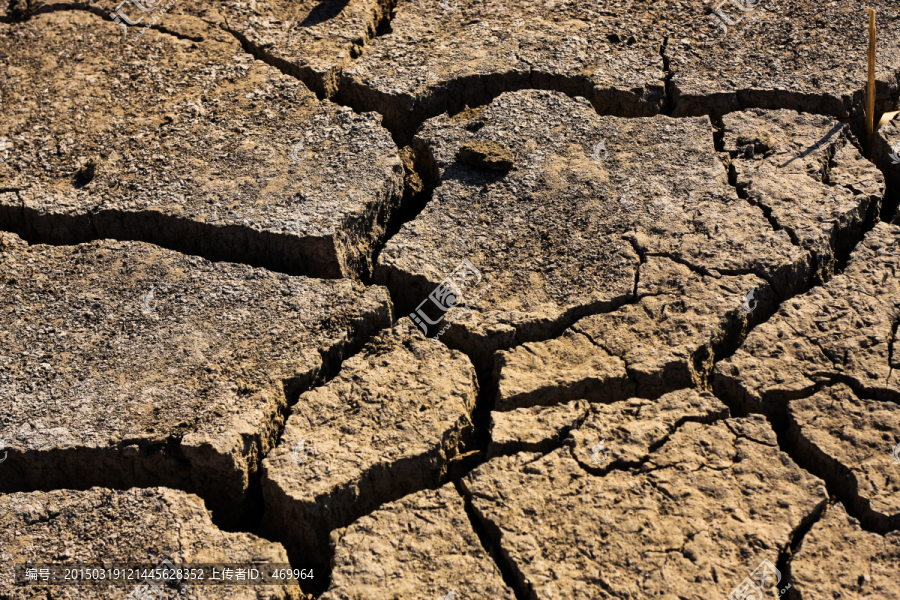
[(448, 300)]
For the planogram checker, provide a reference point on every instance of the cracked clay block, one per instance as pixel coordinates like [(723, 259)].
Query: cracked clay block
[(390, 424), (309, 39), (533, 429), (442, 56), (801, 55), (665, 341), (137, 526), (838, 559), (672, 335), (703, 512), (193, 146), (422, 546), (849, 441), (807, 177), (844, 331), (560, 235), (624, 433), (123, 364)]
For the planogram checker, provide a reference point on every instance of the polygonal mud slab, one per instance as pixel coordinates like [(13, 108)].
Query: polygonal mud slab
[(443, 56), (669, 339), (562, 234), (630, 430), (794, 54), (137, 526), (193, 146), (310, 40), (391, 423), (534, 429), (838, 559), (422, 546), (844, 331), (704, 511), (848, 441), (805, 174), (123, 364)]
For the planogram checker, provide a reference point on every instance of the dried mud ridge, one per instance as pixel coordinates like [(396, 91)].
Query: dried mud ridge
[(228, 233)]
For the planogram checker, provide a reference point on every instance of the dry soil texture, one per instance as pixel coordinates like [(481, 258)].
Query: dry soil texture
[(451, 300)]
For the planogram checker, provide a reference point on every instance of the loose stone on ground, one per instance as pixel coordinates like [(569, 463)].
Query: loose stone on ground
[(123, 364)]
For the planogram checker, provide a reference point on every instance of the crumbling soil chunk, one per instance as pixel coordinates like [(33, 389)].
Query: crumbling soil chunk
[(390, 424), (123, 364)]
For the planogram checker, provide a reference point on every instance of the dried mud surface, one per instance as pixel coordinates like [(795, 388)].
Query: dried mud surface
[(452, 300), (125, 364), (144, 526)]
